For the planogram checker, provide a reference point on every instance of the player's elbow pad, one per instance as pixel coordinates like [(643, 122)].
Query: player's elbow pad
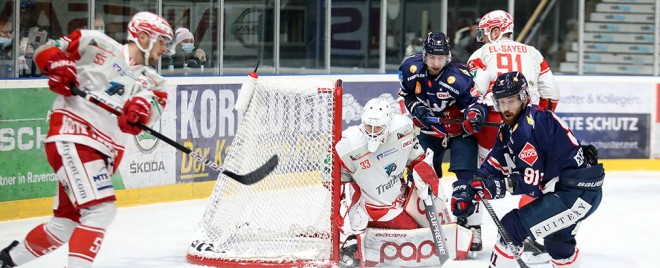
[(548, 104)]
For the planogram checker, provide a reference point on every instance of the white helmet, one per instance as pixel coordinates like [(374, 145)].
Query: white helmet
[(376, 117), (495, 19), (153, 25)]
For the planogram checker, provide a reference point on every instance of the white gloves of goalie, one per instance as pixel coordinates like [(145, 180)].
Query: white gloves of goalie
[(424, 177)]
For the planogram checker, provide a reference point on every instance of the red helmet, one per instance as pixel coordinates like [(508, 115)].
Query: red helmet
[(155, 26), (498, 18)]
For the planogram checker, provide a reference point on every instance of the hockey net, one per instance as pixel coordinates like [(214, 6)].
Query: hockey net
[(287, 219)]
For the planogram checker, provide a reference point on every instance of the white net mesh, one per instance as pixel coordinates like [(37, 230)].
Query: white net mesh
[(287, 216)]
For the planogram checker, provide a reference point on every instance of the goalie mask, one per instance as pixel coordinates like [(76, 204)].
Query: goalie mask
[(494, 19), (508, 85), (376, 117)]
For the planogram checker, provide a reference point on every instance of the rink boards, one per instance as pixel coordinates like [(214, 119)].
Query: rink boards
[(617, 113)]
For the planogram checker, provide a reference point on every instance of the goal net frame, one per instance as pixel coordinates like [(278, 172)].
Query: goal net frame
[(197, 252)]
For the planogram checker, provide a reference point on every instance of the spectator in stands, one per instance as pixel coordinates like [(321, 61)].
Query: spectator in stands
[(414, 47), (466, 45), (183, 53)]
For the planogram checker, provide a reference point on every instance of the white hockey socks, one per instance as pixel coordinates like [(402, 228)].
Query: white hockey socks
[(42, 240), (87, 238)]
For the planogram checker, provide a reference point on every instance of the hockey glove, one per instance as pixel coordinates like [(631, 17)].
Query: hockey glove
[(493, 187), (463, 202), (61, 74), (420, 112), (474, 117), (136, 111), (425, 177)]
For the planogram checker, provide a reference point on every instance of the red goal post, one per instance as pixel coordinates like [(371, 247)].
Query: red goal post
[(289, 219)]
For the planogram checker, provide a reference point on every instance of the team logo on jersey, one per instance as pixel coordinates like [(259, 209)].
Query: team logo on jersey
[(530, 120), (407, 143), (391, 167), (386, 153), (418, 87), (528, 154), (404, 134), (413, 69), (358, 156), (443, 95), (465, 72), (451, 79)]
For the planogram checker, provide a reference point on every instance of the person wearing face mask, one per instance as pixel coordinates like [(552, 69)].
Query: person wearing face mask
[(6, 63), (183, 54)]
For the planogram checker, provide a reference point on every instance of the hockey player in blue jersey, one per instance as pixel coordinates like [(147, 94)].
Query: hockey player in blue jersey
[(535, 154), (433, 86)]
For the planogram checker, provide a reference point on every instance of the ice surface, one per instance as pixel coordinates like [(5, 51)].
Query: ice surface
[(623, 232)]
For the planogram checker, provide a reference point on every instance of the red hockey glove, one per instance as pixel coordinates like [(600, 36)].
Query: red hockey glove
[(475, 115), (61, 74), (136, 111)]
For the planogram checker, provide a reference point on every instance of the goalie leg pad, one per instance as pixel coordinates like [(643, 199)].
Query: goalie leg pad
[(354, 217), (411, 248)]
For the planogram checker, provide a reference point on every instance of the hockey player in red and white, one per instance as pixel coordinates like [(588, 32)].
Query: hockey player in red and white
[(85, 143), (379, 207), (501, 54)]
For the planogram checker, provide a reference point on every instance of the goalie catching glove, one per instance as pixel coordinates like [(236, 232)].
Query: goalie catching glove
[(424, 177)]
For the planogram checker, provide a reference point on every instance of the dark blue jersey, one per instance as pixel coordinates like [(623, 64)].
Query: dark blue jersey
[(539, 147), (454, 85)]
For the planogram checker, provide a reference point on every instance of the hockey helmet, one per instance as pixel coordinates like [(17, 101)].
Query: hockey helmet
[(436, 43), (507, 85), (153, 25), (495, 19), (376, 117)]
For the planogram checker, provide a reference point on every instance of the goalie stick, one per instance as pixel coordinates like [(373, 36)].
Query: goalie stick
[(500, 228), (246, 179), (436, 120), (436, 228)]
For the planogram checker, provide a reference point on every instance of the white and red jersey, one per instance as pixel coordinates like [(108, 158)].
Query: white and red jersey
[(379, 175), (101, 62), (504, 56)]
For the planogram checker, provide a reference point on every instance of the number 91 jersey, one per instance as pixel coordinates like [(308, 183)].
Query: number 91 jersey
[(505, 56), (535, 151)]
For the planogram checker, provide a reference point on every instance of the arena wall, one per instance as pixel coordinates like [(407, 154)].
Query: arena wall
[(618, 114)]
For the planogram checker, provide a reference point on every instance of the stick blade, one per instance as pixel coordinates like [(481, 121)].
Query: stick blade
[(257, 175)]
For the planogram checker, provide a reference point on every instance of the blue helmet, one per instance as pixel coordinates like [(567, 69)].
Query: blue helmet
[(507, 85), (436, 43)]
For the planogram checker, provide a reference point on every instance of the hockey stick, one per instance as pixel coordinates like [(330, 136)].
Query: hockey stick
[(436, 229), (500, 227), (436, 120), (247, 179)]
